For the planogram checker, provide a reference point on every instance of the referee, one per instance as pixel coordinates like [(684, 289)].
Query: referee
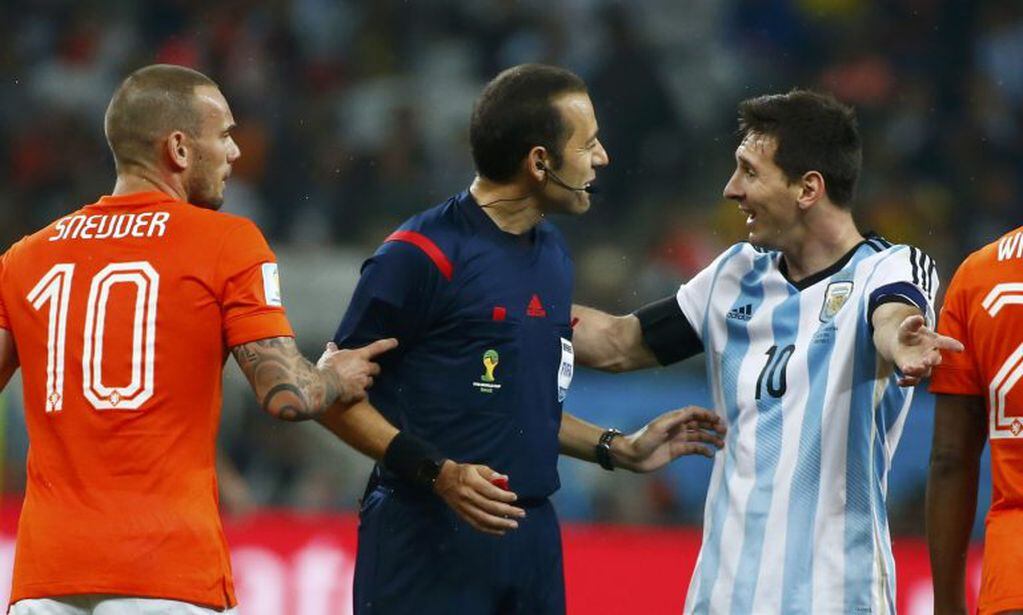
[(466, 417)]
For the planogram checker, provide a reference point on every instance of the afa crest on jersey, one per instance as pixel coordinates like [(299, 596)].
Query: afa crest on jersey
[(835, 297)]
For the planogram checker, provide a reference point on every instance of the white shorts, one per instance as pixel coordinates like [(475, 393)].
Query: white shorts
[(110, 605)]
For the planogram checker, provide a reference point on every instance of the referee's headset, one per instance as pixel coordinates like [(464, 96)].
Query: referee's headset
[(540, 165)]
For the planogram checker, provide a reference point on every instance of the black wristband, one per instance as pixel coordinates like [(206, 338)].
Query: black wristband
[(414, 460), (603, 449)]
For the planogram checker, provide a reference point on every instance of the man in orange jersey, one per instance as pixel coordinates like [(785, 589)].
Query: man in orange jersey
[(121, 315), (980, 395)]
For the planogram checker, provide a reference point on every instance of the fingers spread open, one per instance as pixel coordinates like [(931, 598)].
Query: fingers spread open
[(908, 381), (696, 413), (688, 448), (913, 324), (913, 369), (698, 435)]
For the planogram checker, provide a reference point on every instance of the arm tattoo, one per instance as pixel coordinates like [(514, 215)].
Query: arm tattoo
[(287, 385)]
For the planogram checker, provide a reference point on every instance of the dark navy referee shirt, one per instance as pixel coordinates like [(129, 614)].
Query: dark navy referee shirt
[(480, 315)]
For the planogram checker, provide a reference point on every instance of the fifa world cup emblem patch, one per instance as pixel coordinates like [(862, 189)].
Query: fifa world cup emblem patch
[(488, 382), (835, 297), (490, 361)]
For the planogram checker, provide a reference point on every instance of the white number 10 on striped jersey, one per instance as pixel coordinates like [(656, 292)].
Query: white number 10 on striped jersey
[(55, 288)]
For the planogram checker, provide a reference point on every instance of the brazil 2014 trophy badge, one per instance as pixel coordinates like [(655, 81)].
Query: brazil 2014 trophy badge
[(488, 382), (835, 297)]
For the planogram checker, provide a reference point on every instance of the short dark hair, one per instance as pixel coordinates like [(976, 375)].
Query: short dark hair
[(813, 132), (515, 113), (150, 103)]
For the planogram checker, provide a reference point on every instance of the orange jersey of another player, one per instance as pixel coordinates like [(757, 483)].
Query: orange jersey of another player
[(984, 310), (123, 314)]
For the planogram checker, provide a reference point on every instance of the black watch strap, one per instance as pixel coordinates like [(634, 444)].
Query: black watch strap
[(603, 449), (429, 470), (414, 460)]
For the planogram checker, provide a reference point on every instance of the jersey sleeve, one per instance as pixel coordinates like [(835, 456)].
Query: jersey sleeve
[(394, 297), (693, 296), (904, 275), (250, 296), (957, 374)]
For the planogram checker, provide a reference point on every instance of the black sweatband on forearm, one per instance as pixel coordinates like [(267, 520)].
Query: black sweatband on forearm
[(667, 331), (414, 460)]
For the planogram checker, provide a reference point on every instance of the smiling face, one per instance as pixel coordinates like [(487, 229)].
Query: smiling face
[(213, 149), (764, 194), (581, 155)]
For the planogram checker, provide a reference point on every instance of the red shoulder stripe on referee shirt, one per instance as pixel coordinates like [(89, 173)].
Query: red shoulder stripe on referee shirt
[(425, 244)]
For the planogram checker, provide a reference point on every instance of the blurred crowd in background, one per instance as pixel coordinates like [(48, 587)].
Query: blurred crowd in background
[(352, 115)]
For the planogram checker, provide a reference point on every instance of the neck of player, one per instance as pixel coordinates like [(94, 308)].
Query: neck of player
[(824, 237), (513, 207), (144, 180)]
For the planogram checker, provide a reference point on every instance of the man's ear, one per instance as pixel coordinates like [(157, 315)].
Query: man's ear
[(811, 189), (177, 151), (537, 164)]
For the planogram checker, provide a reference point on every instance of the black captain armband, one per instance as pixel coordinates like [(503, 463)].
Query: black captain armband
[(414, 460), (667, 331)]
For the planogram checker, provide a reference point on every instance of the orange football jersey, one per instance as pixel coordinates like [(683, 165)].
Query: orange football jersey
[(123, 314), (984, 310)]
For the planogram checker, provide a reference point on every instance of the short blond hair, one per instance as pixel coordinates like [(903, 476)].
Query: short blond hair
[(149, 104)]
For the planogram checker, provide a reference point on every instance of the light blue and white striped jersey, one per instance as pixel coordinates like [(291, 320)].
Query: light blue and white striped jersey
[(795, 518)]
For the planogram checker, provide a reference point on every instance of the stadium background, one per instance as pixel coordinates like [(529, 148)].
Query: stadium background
[(353, 115)]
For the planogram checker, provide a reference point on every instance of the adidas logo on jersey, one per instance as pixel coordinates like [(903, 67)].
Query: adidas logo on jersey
[(535, 308), (744, 312)]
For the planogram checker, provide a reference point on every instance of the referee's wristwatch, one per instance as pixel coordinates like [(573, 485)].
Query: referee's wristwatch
[(603, 448), (428, 470)]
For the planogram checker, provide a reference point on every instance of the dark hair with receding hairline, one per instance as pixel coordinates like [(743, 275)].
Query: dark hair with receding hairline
[(151, 103), (813, 132), (516, 113)]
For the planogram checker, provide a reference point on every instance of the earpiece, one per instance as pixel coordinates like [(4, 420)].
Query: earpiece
[(541, 166)]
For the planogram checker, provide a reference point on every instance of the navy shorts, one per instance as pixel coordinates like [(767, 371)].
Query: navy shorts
[(416, 556)]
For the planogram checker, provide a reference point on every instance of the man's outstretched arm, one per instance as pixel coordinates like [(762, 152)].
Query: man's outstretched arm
[(902, 337), (291, 388), (609, 343), (658, 333), (685, 431)]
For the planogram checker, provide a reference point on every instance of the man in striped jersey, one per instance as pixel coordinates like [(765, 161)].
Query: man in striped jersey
[(813, 335)]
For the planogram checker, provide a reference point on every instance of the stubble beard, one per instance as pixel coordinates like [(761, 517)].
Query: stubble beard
[(204, 193)]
